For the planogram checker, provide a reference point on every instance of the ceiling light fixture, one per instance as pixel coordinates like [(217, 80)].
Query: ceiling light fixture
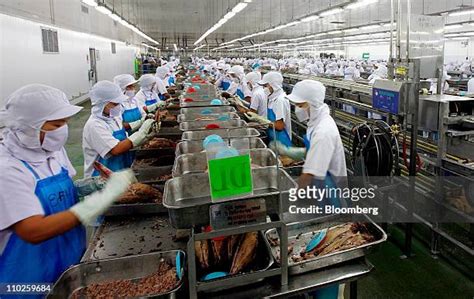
[(360, 3), (461, 13), (237, 8), (92, 3), (331, 12), (103, 9)]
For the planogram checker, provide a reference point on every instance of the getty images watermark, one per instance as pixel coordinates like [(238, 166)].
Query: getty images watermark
[(331, 200)]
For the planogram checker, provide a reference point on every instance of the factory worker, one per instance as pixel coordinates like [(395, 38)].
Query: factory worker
[(104, 139), (238, 86), (224, 81), (332, 69), (146, 96), (444, 83), (259, 101), (160, 86), (41, 232), (351, 73), (380, 72), (470, 86), (278, 111), (323, 150), (133, 114)]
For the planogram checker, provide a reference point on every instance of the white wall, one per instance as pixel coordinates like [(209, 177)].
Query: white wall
[(22, 60), (380, 51)]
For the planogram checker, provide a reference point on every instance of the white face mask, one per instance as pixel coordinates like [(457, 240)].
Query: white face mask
[(116, 111), (130, 93), (54, 140), (267, 91), (302, 114), (236, 80)]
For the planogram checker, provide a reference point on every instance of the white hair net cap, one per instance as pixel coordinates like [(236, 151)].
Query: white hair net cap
[(146, 81), (124, 80), (253, 77), (162, 72), (104, 92), (275, 79), (237, 69), (34, 104), (310, 91)]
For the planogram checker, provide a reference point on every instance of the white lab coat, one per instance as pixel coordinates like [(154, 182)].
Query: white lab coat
[(259, 101), (326, 152), (281, 107)]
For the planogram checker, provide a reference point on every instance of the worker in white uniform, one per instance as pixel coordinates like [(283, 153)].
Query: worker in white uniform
[(351, 73), (238, 85), (325, 163), (470, 86), (133, 114), (104, 138), (278, 111), (146, 96), (259, 100), (160, 87), (41, 218), (380, 72)]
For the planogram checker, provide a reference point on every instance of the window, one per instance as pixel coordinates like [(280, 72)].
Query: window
[(114, 50), (50, 40)]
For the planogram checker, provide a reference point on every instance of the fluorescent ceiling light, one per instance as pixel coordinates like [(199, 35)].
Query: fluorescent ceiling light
[(453, 26), (368, 27), (92, 3), (239, 7), (115, 17), (351, 30), (229, 15), (310, 18), (459, 38), (247, 1), (103, 9), (335, 32), (331, 12), (175, 47), (461, 13), (360, 3), (293, 23)]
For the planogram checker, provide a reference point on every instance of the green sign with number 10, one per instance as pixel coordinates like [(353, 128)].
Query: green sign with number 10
[(230, 176)]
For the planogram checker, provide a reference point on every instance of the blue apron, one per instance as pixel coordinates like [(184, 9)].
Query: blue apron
[(116, 163), (332, 291), (23, 262), (240, 93), (171, 81), (225, 85), (162, 97), (131, 115), (281, 136)]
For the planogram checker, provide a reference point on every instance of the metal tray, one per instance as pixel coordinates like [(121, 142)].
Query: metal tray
[(199, 97), (207, 103), (197, 162), (188, 197), (132, 235), (145, 175), (152, 161), (133, 267), (224, 133), (201, 125), (304, 231), (138, 208), (189, 147), (263, 261), (196, 117), (197, 111)]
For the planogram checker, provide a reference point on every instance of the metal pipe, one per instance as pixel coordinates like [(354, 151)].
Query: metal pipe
[(408, 29), (391, 28), (399, 29)]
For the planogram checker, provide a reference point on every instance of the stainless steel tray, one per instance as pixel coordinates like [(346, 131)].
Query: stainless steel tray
[(263, 261), (201, 125), (133, 267), (300, 233), (138, 208), (197, 111), (188, 197), (132, 235), (207, 103), (152, 175), (224, 133), (189, 147), (198, 117), (150, 161), (197, 162), (201, 96)]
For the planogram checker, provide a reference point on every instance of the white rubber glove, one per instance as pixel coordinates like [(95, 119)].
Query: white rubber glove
[(135, 125), (295, 153), (257, 118), (152, 108), (141, 135), (95, 205), (161, 104)]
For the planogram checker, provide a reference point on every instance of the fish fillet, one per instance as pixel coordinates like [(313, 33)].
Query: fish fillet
[(245, 252)]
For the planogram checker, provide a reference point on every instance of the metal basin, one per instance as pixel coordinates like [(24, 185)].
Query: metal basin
[(201, 125), (189, 147), (197, 162), (188, 197), (131, 267), (197, 111), (224, 133), (207, 103), (199, 117)]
